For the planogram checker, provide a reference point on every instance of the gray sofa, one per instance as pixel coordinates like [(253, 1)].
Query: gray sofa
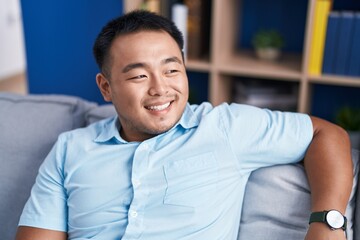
[(277, 202)]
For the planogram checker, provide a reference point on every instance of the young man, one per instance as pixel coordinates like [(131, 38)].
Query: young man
[(164, 169)]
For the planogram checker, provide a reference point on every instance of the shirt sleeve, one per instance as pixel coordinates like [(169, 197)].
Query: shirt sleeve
[(261, 137), (46, 206)]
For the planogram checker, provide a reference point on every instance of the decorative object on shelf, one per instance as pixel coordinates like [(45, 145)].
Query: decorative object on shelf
[(153, 6), (349, 119), (266, 94), (179, 15), (268, 44)]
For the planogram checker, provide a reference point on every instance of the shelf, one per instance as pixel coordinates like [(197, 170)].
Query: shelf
[(197, 65), (335, 80), (245, 63)]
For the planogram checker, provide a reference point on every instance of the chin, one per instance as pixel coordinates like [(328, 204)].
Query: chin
[(162, 128)]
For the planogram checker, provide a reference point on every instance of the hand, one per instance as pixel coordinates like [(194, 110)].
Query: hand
[(319, 231)]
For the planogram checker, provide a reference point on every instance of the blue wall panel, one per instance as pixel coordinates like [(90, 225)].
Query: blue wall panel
[(59, 36)]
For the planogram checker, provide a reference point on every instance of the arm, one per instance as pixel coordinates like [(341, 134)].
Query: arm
[(329, 169), (29, 233)]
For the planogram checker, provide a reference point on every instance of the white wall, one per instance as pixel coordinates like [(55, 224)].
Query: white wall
[(12, 50)]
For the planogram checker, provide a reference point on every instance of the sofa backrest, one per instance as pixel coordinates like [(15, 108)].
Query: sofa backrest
[(29, 126)]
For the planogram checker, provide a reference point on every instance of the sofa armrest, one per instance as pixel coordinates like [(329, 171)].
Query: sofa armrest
[(356, 157), (277, 204)]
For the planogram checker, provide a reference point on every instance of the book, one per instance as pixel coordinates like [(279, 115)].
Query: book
[(330, 42), (198, 28), (322, 9), (342, 49), (354, 59)]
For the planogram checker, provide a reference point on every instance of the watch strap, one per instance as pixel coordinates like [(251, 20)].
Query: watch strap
[(321, 217), (318, 217)]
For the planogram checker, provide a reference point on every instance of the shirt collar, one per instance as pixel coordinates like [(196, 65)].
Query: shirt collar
[(111, 129), (189, 119)]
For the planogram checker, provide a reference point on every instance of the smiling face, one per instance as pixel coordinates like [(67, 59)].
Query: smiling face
[(147, 85)]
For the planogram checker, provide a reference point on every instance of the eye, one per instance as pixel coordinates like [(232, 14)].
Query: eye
[(138, 77), (172, 71)]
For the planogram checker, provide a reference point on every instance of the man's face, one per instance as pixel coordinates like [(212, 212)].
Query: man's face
[(148, 84)]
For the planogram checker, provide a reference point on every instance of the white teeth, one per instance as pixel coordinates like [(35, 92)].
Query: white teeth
[(159, 108)]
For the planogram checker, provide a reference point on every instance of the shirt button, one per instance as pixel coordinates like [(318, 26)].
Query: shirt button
[(133, 214), (145, 146), (136, 183)]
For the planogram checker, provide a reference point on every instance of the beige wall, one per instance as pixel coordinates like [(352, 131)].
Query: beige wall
[(16, 84), (12, 50)]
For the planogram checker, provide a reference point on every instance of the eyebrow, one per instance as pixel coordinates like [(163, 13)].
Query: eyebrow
[(171, 60), (132, 66)]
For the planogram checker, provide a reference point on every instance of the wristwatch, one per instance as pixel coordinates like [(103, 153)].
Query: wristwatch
[(333, 218)]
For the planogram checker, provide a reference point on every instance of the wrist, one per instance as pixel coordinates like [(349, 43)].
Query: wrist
[(319, 230), (333, 219)]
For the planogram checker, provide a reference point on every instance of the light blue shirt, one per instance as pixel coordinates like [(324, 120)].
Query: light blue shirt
[(187, 183)]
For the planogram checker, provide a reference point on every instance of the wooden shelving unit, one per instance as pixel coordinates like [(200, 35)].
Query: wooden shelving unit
[(245, 63), (227, 62)]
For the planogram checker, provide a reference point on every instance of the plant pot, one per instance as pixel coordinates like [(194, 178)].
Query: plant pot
[(354, 139), (268, 54)]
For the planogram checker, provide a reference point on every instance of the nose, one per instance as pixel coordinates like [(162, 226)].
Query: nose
[(158, 86)]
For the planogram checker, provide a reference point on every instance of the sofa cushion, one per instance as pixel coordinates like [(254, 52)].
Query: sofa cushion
[(29, 126), (277, 203), (99, 113)]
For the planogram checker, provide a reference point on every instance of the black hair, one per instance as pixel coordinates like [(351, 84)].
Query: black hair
[(135, 21)]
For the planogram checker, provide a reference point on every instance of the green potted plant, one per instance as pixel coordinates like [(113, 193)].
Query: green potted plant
[(349, 119), (268, 44)]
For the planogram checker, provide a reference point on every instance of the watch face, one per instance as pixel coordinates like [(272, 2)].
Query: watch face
[(335, 219)]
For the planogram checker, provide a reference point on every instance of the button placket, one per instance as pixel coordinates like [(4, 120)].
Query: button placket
[(140, 192)]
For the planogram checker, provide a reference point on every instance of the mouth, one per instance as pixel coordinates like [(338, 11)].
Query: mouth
[(158, 108)]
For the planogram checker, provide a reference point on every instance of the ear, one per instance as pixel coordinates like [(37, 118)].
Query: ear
[(104, 86)]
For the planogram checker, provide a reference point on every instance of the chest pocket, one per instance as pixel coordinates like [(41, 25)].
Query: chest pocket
[(191, 182)]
